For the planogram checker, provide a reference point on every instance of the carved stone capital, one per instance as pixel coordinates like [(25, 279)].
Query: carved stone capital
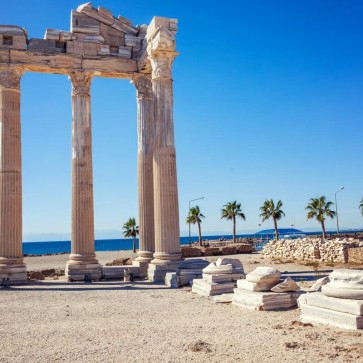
[(10, 77), (161, 52), (143, 86), (81, 83), (161, 63)]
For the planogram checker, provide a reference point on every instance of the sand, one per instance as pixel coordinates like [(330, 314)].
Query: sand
[(56, 321)]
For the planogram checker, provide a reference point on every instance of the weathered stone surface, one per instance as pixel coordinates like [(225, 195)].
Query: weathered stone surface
[(36, 275), (82, 23), (311, 249), (197, 263), (264, 277), (217, 278), (113, 37), (355, 255), (172, 280), (326, 316), (11, 256), (264, 300), (191, 252), (286, 286), (43, 45), (349, 306), (249, 286), (12, 37), (318, 284), (213, 269), (211, 251), (118, 272), (237, 267), (204, 288), (223, 299), (345, 284)]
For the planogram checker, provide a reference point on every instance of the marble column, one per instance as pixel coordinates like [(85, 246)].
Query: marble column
[(11, 255), (82, 259), (145, 128), (166, 210)]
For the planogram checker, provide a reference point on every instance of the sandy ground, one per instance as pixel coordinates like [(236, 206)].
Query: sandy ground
[(56, 321)]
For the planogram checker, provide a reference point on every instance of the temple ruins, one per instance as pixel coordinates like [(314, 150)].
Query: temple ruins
[(97, 45)]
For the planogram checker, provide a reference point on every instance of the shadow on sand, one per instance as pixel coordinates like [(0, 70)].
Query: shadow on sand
[(81, 286)]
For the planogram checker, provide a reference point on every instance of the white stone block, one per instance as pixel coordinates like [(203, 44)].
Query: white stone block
[(318, 299), (205, 288), (286, 286), (224, 298), (217, 278), (318, 315), (265, 300)]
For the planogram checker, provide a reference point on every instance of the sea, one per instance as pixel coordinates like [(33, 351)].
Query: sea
[(123, 244)]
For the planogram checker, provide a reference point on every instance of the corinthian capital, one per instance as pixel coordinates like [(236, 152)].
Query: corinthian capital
[(81, 83), (143, 85), (10, 77), (161, 52)]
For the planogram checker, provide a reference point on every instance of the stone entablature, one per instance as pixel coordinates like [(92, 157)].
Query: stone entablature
[(98, 44)]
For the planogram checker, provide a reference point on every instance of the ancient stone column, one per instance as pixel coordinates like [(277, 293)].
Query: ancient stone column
[(82, 260), (145, 126), (166, 210), (11, 256)]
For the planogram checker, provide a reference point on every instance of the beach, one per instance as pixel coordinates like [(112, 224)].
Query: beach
[(113, 321)]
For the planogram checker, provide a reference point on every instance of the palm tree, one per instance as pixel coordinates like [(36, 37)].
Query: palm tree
[(230, 211), (361, 206), (319, 208), (194, 217), (269, 210), (131, 230)]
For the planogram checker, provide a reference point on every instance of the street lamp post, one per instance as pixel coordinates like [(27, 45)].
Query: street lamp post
[(336, 207), (189, 211)]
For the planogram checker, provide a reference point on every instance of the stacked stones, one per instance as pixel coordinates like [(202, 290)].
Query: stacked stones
[(339, 304), (261, 290), (94, 32), (186, 272), (311, 249), (219, 277)]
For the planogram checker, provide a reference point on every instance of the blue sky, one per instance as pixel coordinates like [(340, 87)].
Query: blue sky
[(268, 104)]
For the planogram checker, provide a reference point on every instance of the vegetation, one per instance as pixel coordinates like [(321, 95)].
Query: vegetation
[(131, 230), (361, 206), (195, 217), (230, 212), (269, 210), (319, 208)]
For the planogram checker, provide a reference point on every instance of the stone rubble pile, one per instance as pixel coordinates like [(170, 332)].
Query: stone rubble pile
[(262, 290), (219, 277), (339, 304), (311, 249), (186, 272)]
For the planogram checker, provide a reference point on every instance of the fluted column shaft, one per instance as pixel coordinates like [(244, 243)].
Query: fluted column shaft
[(166, 209), (11, 256), (145, 112), (83, 249)]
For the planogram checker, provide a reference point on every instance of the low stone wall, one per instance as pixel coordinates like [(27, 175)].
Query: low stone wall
[(355, 255), (232, 249), (311, 249)]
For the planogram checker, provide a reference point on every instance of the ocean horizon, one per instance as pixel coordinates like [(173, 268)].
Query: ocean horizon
[(124, 244)]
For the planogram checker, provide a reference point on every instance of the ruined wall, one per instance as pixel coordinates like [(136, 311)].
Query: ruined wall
[(355, 255), (311, 249)]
